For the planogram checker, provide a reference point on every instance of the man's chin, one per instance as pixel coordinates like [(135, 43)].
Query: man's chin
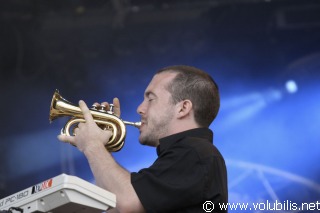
[(146, 142)]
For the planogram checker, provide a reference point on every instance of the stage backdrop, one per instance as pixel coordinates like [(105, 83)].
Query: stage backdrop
[(264, 55)]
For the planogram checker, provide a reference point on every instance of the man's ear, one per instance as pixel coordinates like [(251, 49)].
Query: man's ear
[(183, 108)]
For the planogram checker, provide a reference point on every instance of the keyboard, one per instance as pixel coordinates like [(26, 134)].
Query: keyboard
[(61, 194)]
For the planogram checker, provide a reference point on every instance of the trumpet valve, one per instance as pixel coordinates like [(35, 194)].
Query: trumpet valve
[(110, 111), (94, 106), (102, 108)]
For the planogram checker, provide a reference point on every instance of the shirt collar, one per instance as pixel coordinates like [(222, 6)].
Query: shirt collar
[(166, 142)]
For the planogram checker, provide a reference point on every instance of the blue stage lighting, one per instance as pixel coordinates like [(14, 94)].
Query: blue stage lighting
[(291, 86)]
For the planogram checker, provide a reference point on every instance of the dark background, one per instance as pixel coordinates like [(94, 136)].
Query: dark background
[(96, 50)]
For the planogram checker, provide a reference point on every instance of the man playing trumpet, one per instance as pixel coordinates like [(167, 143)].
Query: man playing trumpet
[(179, 105)]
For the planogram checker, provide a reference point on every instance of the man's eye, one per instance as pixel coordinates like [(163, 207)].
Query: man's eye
[(150, 99)]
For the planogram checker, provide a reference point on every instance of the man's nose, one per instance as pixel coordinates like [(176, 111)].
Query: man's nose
[(140, 109)]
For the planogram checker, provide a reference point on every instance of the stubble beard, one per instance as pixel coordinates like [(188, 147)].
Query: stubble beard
[(156, 128)]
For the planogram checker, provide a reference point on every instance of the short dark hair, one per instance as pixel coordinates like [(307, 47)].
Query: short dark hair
[(197, 86)]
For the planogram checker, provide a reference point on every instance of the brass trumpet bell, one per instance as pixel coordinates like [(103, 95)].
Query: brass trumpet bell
[(60, 107)]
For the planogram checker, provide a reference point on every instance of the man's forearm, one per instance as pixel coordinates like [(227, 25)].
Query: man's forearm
[(112, 177)]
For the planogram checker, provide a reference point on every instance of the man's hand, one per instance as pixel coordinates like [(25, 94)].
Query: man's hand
[(88, 134), (106, 105)]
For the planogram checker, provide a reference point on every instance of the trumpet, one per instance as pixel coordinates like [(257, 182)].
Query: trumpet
[(105, 119)]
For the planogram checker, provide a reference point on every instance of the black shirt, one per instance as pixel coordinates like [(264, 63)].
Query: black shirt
[(188, 172)]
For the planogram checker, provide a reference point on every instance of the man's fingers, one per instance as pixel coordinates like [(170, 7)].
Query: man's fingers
[(116, 106), (105, 105), (86, 112), (95, 105), (116, 109), (66, 139)]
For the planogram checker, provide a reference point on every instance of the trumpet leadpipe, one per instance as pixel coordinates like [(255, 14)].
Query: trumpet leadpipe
[(135, 124)]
